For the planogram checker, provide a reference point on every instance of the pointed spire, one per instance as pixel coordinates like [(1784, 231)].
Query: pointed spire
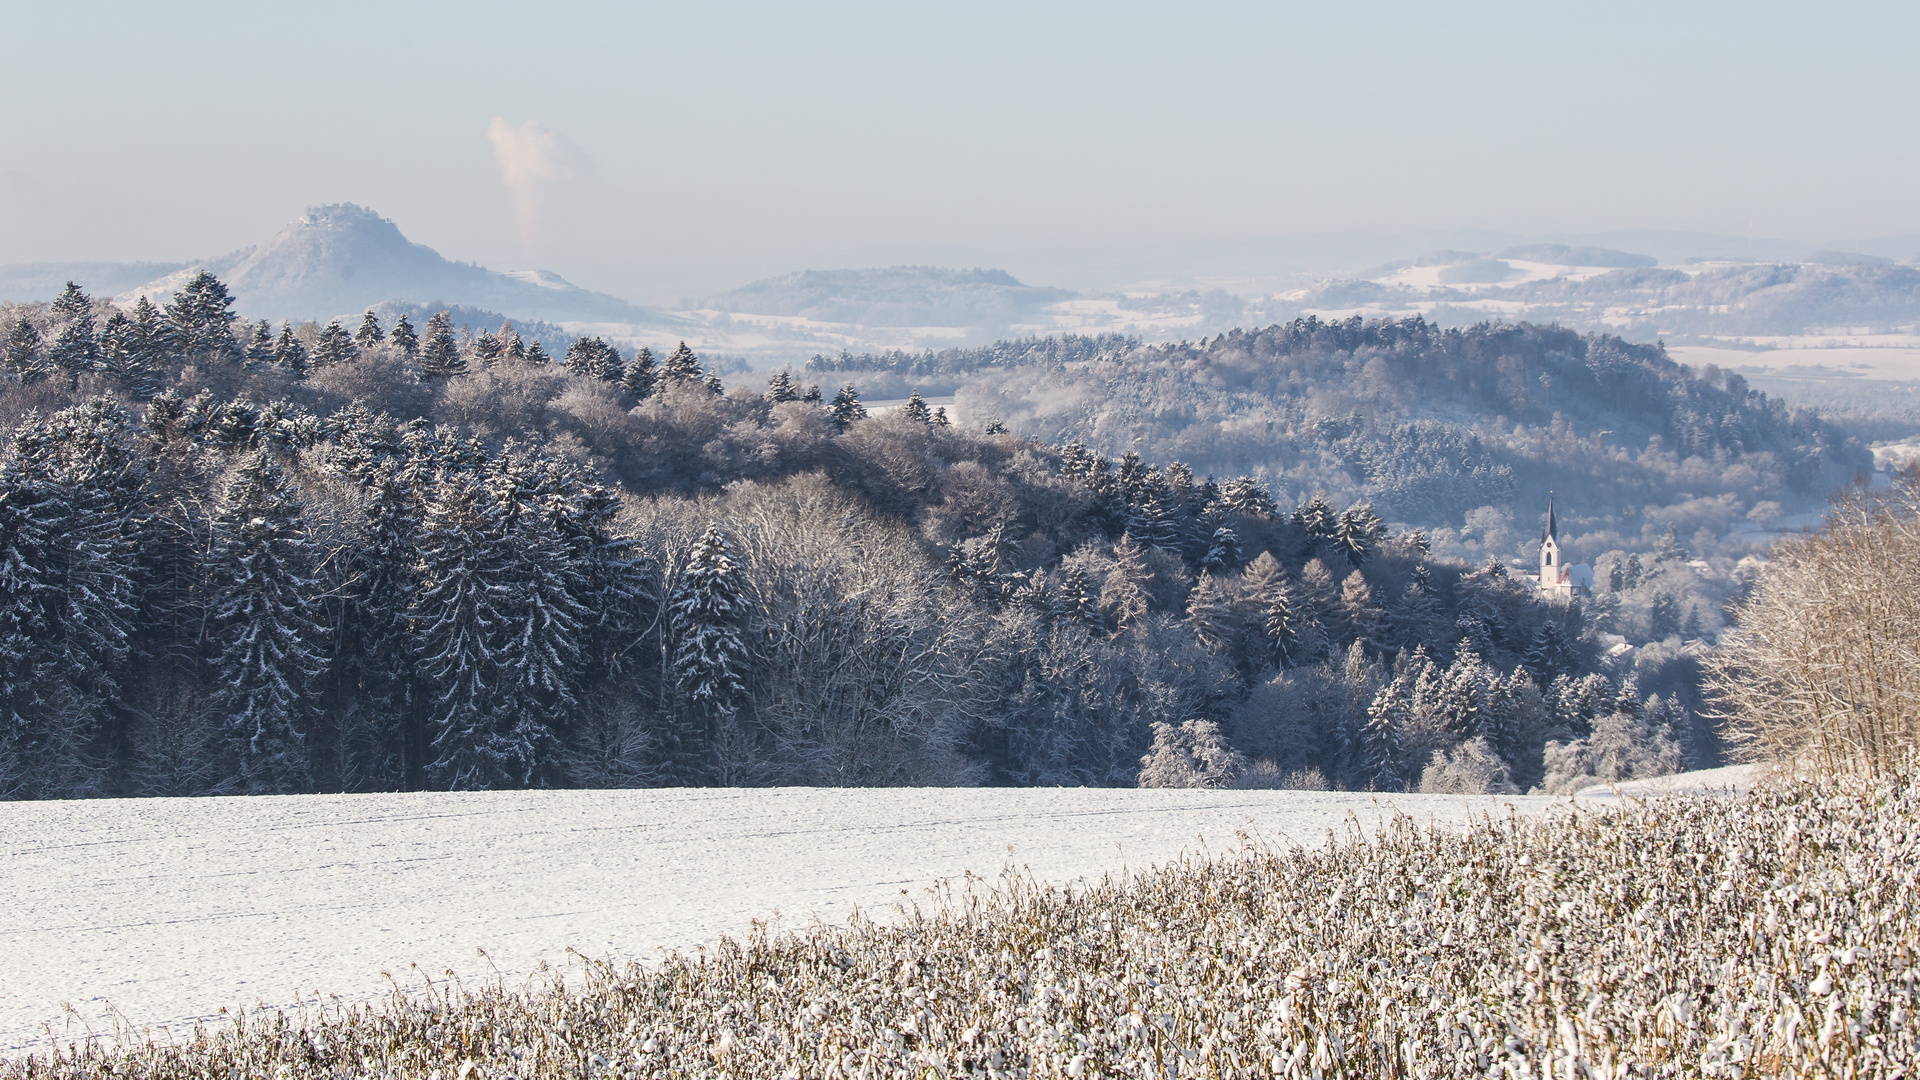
[(1553, 532)]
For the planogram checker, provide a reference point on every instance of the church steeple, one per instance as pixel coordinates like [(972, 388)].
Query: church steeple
[(1553, 532)]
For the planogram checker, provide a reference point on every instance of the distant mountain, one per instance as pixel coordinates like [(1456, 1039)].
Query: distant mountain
[(340, 259), (29, 282), (894, 296)]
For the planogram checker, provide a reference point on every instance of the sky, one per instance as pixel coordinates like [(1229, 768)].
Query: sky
[(584, 137)]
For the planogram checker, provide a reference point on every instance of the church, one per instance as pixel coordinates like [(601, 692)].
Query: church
[(1557, 580)]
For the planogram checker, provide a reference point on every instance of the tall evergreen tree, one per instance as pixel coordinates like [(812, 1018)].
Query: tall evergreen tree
[(270, 647), (511, 347), (681, 366), (640, 374), (75, 348), (403, 337), (289, 351), (334, 346), (23, 350), (846, 408), (201, 319), (916, 409), (259, 347), (1380, 742), (369, 335), (780, 388), (439, 357), (1210, 613), (710, 659), (537, 355)]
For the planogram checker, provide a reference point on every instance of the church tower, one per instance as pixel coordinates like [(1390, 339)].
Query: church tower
[(1550, 550), (1557, 579)]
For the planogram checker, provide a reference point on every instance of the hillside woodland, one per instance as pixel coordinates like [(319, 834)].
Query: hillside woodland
[(241, 558)]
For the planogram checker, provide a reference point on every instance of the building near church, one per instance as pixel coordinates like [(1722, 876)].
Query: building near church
[(1557, 579)]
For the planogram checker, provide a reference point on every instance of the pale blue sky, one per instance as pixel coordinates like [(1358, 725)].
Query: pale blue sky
[(780, 132)]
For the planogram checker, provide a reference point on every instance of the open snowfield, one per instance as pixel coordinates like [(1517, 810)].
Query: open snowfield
[(165, 911)]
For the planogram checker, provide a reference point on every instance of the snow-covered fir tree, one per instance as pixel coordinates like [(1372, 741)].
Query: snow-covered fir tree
[(710, 657), (269, 647), (200, 318), (369, 335), (404, 339), (439, 356)]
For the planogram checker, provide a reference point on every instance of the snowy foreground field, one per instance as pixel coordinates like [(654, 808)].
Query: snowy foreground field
[(165, 911)]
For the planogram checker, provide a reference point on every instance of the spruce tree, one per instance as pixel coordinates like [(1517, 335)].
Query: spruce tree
[(289, 351), (1358, 532), (23, 350), (369, 335), (201, 318), (259, 349), (487, 348), (846, 408), (681, 366), (270, 647), (710, 659), (640, 374), (537, 355), (334, 346), (511, 347), (780, 388), (1380, 740), (403, 337), (75, 348), (439, 357), (915, 410), (1077, 602)]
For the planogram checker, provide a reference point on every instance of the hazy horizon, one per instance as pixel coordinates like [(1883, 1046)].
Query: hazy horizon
[(627, 149)]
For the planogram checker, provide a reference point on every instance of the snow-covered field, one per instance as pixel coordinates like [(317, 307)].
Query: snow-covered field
[(163, 911)]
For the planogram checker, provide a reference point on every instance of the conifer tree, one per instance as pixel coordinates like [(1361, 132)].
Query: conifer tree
[(75, 348), (1358, 532), (23, 349), (537, 355), (640, 374), (259, 348), (714, 385), (1380, 740), (269, 644), (369, 335), (289, 351), (1359, 610), (780, 388), (463, 554), (201, 319), (511, 347), (403, 337), (439, 357), (846, 408), (1077, 602), (916, 409), (710, 660), (487, 348), (334, 346), (681, 366)]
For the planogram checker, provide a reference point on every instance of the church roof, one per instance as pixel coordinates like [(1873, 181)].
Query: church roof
[(1553, 531)]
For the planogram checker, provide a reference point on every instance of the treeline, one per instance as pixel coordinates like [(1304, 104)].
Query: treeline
[(383, 557)]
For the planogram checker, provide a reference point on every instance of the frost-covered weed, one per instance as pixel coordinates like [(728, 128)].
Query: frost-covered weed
[(1773, 935)]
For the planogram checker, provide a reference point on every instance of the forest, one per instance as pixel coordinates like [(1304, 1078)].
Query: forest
[(1441, 429), (379, 556)]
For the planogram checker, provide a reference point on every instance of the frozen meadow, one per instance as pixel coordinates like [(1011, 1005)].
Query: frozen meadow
[(159, 913)]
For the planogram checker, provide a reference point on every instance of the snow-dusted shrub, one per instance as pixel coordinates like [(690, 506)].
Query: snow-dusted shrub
[(1472, 768), (1193, 755), (1264, 775)]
